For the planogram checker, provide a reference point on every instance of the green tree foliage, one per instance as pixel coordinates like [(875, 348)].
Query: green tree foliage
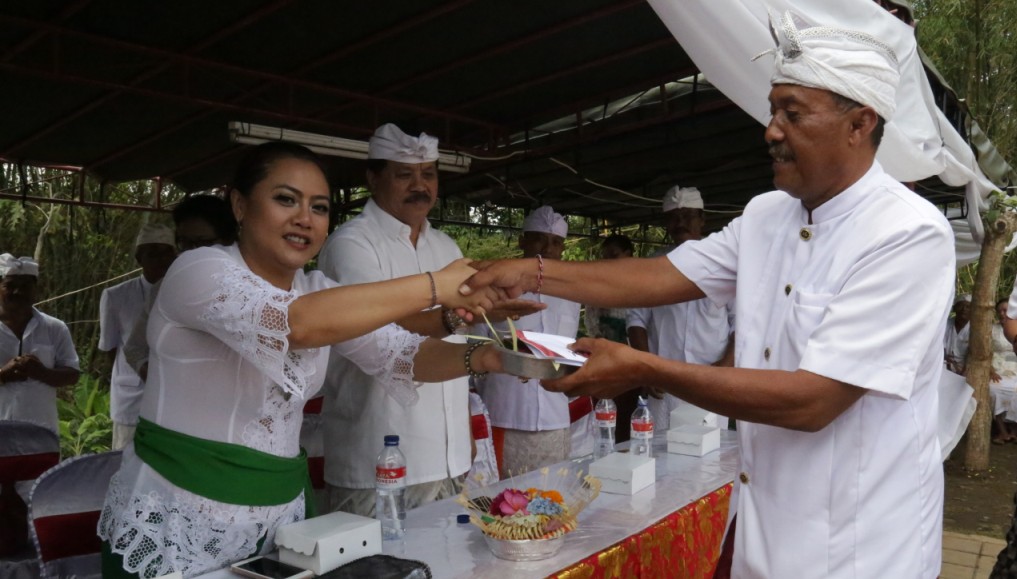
[(973, 45), (85, 425)]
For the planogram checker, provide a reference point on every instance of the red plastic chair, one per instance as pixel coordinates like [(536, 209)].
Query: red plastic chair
[(64, 511), (26, 451)]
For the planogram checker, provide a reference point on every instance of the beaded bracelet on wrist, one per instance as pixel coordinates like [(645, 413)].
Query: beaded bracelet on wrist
[(466, 360)]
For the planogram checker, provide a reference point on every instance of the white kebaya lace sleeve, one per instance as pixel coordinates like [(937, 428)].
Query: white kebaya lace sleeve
[(212, 293), (387, 354)]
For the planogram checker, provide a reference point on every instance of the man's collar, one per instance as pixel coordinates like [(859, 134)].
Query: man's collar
[(846, 200), (388, 224)]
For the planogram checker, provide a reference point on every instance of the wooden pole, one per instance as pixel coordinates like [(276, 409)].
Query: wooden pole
[(983, 314)]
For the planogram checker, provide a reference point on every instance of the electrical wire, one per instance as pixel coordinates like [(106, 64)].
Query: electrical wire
[(70, 293), (602, 185)]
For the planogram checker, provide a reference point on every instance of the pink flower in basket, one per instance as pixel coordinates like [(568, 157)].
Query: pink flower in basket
[(509, 502)]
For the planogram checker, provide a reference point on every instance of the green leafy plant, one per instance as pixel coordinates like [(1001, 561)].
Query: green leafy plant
[(85, 425)]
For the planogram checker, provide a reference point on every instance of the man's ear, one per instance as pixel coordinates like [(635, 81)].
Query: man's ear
[(863, 122)]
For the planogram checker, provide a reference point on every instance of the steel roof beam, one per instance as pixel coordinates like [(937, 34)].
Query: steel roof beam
[(244, 71), (240, 24), (506, 47), (346, 50)]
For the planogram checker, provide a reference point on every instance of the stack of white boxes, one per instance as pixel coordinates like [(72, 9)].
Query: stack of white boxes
[(622, 473), (693, 431)]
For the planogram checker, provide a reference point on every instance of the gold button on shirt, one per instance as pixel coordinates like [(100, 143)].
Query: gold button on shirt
[(805, 234), (744, 478)]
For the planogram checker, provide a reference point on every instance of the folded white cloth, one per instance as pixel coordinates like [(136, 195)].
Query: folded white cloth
[(850, 63), (10, 265), (392, 144)]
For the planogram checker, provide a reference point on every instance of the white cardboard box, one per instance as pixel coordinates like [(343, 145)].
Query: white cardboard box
[(624, 474), (687, 414), (693, 440), (326, 542)]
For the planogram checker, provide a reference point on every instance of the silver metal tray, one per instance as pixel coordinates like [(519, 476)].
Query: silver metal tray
[(529, 366)]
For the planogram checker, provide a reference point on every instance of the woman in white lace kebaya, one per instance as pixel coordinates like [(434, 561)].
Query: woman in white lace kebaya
[(239, 340)]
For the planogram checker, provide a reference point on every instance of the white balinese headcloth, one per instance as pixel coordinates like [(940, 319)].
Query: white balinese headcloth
[(544, 220), (391, 144), (846, 62), (153, 233), (679, 197), (10, 265)]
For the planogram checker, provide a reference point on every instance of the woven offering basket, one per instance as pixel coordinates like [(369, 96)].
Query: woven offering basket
[(530, 524)]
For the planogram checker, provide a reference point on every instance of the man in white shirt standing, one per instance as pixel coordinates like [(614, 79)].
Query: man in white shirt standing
[(697, 332), (392, 238), (842, 281), (37, 354), (530, 424), (119, 308)]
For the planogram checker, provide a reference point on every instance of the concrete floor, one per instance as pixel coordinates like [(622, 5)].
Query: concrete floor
[(969, 556)]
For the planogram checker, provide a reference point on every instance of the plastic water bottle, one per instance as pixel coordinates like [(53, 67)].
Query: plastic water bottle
[(642, 430), (390, 486), (606, 417)]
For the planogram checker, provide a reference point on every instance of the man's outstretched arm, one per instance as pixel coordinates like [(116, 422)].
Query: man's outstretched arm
[(612, 283)]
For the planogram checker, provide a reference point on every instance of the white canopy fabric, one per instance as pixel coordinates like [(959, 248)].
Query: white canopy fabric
[(722, 36)]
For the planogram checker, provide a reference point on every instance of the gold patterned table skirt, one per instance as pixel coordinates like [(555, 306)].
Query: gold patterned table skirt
[(685, 544)]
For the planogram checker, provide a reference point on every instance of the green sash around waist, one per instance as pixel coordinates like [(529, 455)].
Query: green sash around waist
[(224, 472)]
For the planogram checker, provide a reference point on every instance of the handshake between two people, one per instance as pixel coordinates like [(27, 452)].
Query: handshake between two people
[(492, 288)]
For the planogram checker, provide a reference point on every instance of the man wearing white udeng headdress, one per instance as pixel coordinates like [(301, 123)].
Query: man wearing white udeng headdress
[(120, 307), (531, 426), (698, 332), (392, 238), (37, 354), (842, 282)]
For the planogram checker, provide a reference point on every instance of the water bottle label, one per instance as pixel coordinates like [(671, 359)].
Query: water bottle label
[(390, 477), (606, 419), (642, 430)]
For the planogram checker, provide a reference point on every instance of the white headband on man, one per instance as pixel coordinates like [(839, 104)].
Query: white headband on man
[(392, 144), (152, 233), (680, 197), (545, 220), (10, 265), (852, 64)]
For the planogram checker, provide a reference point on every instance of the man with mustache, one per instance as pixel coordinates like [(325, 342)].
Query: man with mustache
[(698, 332), (392, 238), (841, 281)]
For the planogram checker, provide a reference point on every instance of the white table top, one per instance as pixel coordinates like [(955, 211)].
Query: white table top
[(459, 550), (455, 550)]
